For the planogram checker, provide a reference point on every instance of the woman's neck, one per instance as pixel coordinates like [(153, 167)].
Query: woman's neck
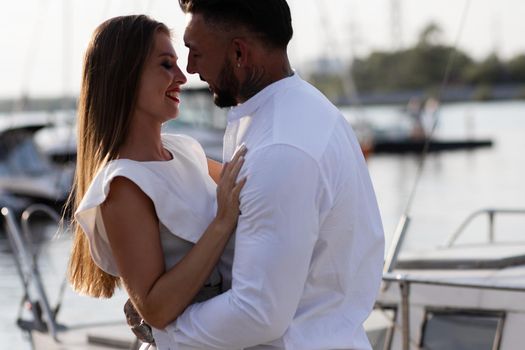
[(144, 143)]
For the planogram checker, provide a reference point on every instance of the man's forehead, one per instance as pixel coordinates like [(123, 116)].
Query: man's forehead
[(195, 23), (199, 32), (195, 30)]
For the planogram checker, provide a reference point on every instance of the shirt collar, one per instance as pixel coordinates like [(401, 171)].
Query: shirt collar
[(252, 104)]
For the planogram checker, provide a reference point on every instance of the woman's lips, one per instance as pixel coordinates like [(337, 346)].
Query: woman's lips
[(173, 95)]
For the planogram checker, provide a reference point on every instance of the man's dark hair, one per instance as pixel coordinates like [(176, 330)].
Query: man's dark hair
[(270, 19)]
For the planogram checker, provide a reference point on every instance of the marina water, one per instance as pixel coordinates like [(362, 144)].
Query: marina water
[(451, 186)]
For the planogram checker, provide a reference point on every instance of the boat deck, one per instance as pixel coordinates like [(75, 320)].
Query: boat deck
[(99, 337), (482, 256)]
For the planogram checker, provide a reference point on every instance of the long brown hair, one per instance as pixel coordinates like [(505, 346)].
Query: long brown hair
[(113, 65)]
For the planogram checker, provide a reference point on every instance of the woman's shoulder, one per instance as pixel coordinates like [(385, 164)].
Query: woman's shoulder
[(98, 189), (137, 172), (186, 146), (179, 139)]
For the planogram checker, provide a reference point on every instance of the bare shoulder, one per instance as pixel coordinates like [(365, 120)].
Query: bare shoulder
[(126, 198)]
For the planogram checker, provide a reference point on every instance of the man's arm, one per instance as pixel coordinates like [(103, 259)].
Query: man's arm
[(275, 237)]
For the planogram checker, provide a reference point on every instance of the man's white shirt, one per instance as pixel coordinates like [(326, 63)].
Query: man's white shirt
[(309, 244)]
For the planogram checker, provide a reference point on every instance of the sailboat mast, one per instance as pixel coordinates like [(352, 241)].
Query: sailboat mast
[(67, 34), (396, 32)]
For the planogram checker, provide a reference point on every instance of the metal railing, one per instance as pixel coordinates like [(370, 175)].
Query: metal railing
[(402, 228), (491, 215), (34, 291), (406, 281), (26, 260)]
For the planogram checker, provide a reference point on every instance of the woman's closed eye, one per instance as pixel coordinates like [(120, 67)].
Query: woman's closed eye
[(167, 64)]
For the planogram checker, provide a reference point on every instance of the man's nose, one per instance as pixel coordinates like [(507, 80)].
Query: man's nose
[(190, 67)]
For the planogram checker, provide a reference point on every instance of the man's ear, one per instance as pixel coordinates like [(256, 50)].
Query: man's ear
[(240, 52)]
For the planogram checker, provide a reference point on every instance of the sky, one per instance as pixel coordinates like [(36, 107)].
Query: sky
[(39, 58)]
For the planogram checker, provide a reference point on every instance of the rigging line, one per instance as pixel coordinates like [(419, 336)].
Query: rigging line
[(136, 5), (149, 5), (444, 83), (31, 54), (401, 229), (348, 84), (67, 40), (105, 9), (67, 37)]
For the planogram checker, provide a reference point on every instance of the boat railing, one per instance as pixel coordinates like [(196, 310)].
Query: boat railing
[(25, 253), (405, 281), (491, 214), (25, 256), (408, 279)]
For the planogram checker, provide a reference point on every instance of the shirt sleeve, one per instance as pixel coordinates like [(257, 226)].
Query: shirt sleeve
[(275, 238)]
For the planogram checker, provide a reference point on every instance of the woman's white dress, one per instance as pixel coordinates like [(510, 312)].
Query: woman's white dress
[(184, 196)]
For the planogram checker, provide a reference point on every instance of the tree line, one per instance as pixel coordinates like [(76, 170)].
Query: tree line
[(424, 67)]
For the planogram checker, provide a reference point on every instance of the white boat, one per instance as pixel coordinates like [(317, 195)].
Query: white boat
[(455, 296), (27, 173)]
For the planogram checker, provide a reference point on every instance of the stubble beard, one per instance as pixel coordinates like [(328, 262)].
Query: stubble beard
[(227, 87)]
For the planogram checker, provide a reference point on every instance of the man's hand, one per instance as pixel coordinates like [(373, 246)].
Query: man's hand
[(141, 329)]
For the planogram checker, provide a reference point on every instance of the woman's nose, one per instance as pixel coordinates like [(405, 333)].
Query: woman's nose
[(180, 77)]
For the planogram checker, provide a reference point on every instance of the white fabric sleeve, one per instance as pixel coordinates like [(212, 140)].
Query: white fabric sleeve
[(275, 238), (180, 189)]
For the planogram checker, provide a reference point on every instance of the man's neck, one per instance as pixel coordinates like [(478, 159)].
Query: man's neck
[(261, 76)]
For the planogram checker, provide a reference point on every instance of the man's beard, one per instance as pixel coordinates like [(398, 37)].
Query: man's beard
[(227, 87)]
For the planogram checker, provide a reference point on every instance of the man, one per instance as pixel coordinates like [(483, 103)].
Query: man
[(309, 243)]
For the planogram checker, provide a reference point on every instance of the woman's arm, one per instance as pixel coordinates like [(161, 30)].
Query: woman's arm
[(214, 169), (132, 226)]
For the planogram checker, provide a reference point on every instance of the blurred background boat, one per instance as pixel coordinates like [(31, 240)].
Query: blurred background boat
[(28, 173)]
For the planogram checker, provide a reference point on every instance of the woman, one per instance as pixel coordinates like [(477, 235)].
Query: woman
[(147, 212)]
